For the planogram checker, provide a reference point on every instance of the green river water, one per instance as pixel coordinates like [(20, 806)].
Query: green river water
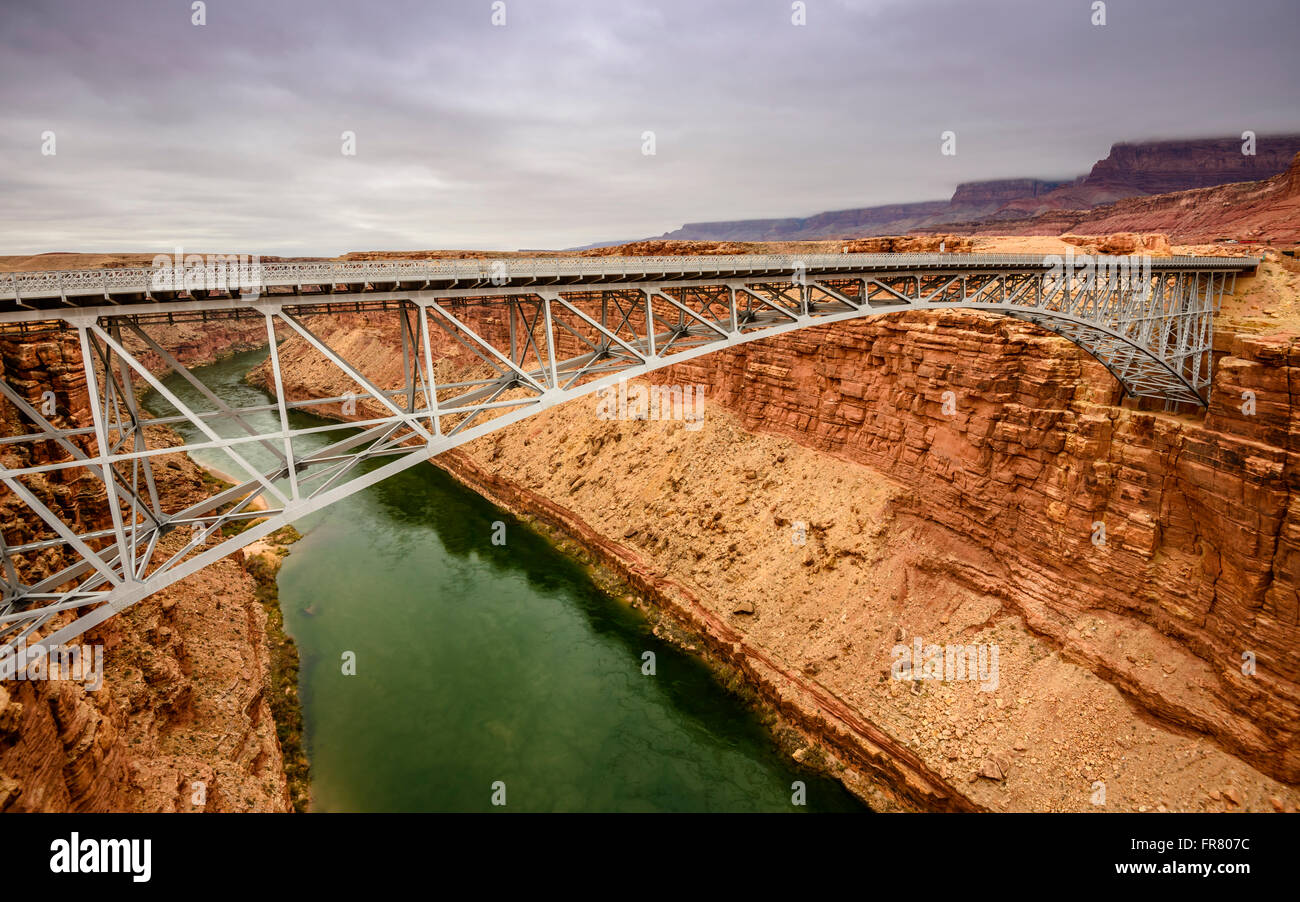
[(479, 663)]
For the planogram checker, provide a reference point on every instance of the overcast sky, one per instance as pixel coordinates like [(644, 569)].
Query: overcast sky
[(227, 136)]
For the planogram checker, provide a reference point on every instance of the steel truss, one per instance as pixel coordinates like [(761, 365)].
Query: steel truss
[(536, 342)]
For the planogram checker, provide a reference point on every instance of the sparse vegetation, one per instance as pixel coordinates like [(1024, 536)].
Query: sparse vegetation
[(283, 688)]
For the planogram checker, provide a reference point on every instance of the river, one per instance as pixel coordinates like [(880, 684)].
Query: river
[(479, 663)]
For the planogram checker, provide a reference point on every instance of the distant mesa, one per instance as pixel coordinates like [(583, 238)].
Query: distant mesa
[(1011, 206), (1166, 166)]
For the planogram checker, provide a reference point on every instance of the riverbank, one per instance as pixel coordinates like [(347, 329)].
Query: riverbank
[(228, 481), (262, 560)]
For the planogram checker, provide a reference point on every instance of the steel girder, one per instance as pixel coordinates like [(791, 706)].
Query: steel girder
[(532, 348)]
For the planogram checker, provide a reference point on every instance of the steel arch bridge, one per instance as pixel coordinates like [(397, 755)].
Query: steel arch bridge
[(540, 331)]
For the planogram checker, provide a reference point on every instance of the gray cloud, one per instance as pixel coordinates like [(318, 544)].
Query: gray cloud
[(227, 136)]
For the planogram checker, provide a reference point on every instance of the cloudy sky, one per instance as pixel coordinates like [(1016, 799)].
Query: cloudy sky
[(228, 136)]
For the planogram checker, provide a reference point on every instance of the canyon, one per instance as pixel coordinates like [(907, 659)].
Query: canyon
[(1121, 662)]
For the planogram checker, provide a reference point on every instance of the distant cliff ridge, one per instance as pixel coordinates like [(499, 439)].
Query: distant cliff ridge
[(1129, 170), (1000, 191), (861, 221)]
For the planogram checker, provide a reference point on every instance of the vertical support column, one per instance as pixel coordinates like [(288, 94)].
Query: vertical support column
[(278, 385), (101, 441), (1147, 310), (431, 381), (649, 326), (1205, 330), (408, 375), (1167, 321), (512, 310), (550, 342), (154, 509), (1190, 316)]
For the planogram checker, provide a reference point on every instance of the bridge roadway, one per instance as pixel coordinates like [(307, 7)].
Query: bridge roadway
[(542, 332)]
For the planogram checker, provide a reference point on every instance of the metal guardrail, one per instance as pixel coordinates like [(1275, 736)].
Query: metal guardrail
[(64, 283)]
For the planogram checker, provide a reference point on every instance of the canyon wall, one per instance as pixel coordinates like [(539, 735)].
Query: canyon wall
[(182, 721), (1198, 519)]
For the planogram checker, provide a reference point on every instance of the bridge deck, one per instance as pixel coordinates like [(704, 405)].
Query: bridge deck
[(26, 292)]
